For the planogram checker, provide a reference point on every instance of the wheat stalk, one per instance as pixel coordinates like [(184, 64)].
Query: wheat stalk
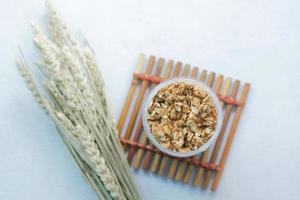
[(93, 154), (77, 104)]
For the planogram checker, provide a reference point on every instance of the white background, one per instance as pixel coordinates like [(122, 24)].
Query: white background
[(256, 41)]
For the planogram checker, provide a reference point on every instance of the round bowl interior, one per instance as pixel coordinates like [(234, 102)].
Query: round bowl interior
[(215, 101)]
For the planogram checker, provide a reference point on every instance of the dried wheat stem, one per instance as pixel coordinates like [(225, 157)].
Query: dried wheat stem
[(78, 106)]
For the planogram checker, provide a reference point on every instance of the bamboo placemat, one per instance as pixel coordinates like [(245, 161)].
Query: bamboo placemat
[(199, 170)]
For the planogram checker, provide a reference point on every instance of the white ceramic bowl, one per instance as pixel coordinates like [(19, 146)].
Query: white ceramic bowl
[(215, 101)]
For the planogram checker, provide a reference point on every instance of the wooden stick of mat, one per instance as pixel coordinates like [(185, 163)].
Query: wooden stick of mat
[(221, 135), (183, 164), (175, 74), (163, 163), (139, 155), (139, 128), (197, 179), (190, 167), (174, 163), (210, 82), (139, 100), (156, 159), (180, 171), (231, 135), (148, 156), (189, 171), (138, 69), (198, 176)]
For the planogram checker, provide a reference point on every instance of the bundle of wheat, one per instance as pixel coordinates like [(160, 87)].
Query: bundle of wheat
[(75, 100)]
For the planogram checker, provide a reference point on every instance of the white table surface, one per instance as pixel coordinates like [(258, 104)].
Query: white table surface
[(256, 41)]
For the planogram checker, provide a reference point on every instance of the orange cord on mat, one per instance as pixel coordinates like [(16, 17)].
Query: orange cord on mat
[(155, 79), (208, 166), (230, 100), (150, 78)]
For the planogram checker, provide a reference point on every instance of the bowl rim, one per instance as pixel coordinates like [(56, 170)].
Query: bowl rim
[(214, 99)]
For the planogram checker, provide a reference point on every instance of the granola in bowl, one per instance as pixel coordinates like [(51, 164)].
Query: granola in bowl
[(182, 116)]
